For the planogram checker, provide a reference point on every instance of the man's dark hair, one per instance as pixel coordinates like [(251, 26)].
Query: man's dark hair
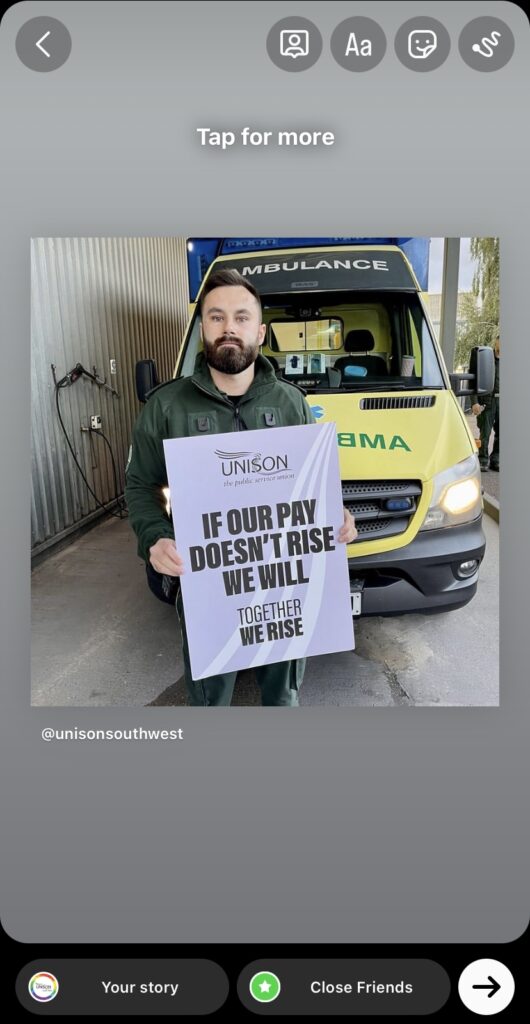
[(228, 278)]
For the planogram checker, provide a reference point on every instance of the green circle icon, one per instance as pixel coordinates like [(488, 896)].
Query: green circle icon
[(265, 987)]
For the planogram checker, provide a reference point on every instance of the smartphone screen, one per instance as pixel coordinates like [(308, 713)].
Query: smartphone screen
[(252, 462)]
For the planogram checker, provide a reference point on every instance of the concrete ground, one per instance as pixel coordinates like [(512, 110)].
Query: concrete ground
[(100, 638)]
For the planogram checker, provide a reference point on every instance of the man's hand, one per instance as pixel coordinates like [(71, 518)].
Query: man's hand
[(348, 531), (165, 558), (476, 409)]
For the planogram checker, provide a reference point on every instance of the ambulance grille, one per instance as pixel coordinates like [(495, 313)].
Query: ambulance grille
[(399, 402), (369, 500)]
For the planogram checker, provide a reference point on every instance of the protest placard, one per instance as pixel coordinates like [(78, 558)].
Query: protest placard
[(256, 517)]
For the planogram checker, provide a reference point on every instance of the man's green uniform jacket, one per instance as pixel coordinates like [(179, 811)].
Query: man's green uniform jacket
[(191, 406)]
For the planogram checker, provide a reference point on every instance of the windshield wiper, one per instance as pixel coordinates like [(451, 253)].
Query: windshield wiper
[(355, 389)]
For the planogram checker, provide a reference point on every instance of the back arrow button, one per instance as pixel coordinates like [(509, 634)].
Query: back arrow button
[(41, 40), (31, 37)]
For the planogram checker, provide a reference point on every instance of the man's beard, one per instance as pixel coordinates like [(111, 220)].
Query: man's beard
[(230, 358)]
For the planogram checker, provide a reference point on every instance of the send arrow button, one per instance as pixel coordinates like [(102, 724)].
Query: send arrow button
[(493, 987), (486, 987)]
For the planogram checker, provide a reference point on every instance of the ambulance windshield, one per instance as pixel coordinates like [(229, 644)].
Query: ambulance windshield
[(345, 341), (351, 341)]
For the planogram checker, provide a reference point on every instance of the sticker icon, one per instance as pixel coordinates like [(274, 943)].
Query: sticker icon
[(294, 44), (421, 43), (43, 987)]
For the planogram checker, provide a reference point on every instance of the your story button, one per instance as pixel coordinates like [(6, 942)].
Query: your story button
[(122, 987)]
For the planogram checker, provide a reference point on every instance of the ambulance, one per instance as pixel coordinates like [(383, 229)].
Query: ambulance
[(348, 324)]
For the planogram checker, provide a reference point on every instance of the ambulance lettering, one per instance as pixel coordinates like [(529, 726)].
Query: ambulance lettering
[(346, 440), (338, 264)]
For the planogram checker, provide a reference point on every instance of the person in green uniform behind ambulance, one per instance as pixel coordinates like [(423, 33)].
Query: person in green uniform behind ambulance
[(487, 415)]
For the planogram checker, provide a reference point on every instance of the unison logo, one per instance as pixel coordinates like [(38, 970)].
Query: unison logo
[(243, 463), (43, 986)]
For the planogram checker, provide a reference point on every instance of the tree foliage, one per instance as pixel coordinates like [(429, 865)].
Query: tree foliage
[(479, 309)]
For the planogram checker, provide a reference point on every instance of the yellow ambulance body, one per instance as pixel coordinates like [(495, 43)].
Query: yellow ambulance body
[(348, 325)]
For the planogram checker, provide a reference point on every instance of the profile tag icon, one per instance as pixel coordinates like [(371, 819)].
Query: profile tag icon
[(294, 43)]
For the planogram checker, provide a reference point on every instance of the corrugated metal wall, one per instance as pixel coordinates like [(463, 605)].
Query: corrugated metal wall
[(93, 300)]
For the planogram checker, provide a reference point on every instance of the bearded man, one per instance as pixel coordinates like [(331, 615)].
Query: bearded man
[(233, 387)]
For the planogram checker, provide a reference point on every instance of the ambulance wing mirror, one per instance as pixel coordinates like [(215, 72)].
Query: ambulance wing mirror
[(481, 377), (146, 378), (482, 365)]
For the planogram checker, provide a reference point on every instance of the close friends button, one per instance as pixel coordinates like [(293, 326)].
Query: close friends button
[(344, 987)]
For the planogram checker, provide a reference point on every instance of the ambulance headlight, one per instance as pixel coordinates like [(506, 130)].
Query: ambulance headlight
[(456, 496)]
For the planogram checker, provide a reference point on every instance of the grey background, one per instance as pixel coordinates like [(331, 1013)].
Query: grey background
[(261, 825)]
